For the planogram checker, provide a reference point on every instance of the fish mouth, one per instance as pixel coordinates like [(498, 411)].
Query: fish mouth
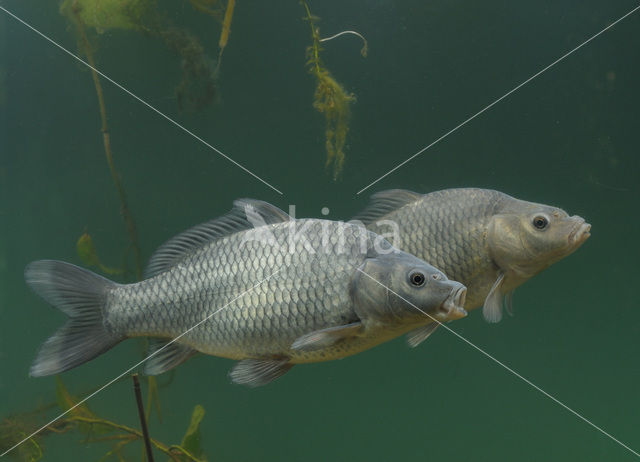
[(580, 233), (453, 306)]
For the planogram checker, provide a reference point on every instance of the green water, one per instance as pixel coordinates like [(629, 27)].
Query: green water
[(568, 138)]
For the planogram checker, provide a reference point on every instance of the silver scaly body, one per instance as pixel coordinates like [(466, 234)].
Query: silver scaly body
[(301, 292)]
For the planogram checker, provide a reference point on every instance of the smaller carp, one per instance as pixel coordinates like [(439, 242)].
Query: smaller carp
[(489, 241)]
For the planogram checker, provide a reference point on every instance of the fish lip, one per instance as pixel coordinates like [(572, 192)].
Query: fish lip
[(454, 304), (580, 233)]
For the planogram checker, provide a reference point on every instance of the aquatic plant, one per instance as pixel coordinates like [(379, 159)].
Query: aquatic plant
[(197, 88), (93, 429), (13, 430), (226, 30), (76, 9), (330, 99), (103, 15), (210, 7), (89, 255)]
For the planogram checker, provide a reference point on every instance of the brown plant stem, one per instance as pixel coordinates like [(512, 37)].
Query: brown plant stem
[(143, 418), (124, 209)]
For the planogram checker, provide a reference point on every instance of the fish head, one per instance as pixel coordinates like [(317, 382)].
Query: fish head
[(398, 287), (525, 238)]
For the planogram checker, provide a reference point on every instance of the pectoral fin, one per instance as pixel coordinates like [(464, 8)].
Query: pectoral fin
[(324, 338), (492, 310), (419, 335), (258, 372)]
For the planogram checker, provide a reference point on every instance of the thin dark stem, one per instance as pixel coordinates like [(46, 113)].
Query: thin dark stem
[(143, 420)]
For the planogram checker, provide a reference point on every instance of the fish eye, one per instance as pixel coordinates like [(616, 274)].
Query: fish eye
[(540, 222), (417, 278)]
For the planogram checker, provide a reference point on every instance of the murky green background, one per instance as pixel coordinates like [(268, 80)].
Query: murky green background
[(567, 138)]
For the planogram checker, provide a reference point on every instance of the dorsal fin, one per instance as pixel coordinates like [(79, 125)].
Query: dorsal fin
[(245, 214), (384, 202)]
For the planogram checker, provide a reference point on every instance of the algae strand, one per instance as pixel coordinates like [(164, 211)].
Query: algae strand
[(330, 99)]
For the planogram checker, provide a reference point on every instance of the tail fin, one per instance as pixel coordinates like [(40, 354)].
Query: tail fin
[(81, 295)]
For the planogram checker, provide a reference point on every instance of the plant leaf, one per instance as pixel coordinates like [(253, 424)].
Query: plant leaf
[(87, 250), (191, 439), (66, 401)]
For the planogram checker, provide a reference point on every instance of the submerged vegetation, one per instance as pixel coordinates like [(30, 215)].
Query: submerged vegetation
[(89, 255), (103, 15), (226, 30), (117, 17), (81, 420), (330, 99), (197, 88)]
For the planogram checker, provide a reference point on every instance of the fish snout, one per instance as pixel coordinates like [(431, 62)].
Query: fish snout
[(581, 231), (453, 306)]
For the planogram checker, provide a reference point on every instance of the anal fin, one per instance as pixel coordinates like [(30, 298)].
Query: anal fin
[(419, 335), (168, 356), (324, 338), (259, 372)]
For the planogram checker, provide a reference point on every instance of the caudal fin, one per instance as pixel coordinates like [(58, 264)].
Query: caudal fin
[(81, 295)]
